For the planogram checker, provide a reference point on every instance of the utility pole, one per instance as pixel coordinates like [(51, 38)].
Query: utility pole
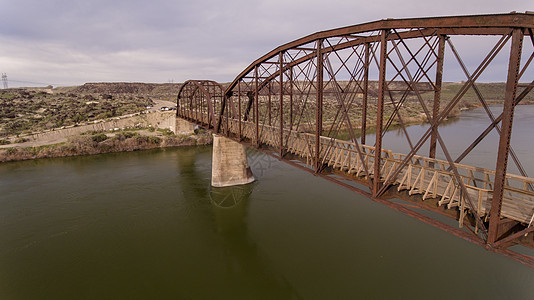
[(4, 80)]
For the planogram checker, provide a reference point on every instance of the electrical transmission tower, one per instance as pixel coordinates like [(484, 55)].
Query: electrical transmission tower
[(4, 80)]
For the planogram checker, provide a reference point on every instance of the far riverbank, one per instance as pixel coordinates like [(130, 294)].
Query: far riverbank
[(131, 139), (99, 143)]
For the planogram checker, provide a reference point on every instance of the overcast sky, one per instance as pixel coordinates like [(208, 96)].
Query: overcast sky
[(70, 42)]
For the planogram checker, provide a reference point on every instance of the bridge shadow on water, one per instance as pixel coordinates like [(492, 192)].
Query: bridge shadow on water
[(226, 213)]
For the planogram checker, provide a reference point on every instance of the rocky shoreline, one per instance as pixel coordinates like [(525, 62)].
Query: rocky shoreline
[(99, 144)]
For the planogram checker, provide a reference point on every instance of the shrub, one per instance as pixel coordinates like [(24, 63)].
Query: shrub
[(99, 137), (129, 134), (142, 139), (154, 140), (119, 137), (83, 144), (4, 142), (21, 140), (11, 151), (166, 132)]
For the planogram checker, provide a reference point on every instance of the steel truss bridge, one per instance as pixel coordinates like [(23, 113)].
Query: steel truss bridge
[(312, 101)]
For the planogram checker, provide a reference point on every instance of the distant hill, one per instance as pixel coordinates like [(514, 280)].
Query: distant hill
[(137, 88)]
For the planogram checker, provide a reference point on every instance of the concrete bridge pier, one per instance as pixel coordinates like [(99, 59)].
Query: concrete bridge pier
[(229, 163)]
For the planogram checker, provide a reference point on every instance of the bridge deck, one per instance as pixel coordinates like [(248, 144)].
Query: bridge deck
[(421, 175)]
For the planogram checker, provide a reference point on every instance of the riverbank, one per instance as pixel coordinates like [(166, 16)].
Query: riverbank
[(91, 142), (100, 143), (415, 118)]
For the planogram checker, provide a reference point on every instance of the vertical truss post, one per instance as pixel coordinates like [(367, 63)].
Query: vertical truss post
[(190, 113), (205, 110), (506, 133), (437, 94), (365, 92), (281, 105), (180, 108), (269, 103), (380, 111), (256, 115), (184, 106), (201, 106), (195, 111), (290, 98), (319, 106), (192, 106), (209, 108), (211, 112), (210, 103), (226, 110), (239, 110)]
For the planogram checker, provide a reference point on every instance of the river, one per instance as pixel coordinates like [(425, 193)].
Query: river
[(147, 225)]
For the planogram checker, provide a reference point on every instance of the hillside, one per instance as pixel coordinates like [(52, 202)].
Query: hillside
[(25, 110), (123, 88)]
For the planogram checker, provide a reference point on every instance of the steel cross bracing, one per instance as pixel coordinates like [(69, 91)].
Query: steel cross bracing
[(312, 101)]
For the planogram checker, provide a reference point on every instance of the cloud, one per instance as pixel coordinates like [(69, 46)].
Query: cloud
[(72, 42)]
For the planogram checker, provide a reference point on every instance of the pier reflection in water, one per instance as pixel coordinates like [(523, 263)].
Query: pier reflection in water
[(245, 264)]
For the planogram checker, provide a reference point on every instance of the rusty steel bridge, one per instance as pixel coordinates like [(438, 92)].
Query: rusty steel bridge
[(312, 101)]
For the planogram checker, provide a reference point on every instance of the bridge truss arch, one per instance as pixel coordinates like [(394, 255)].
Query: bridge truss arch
[(200, 101), (330, 89)]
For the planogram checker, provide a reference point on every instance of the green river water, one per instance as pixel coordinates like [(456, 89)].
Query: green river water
[(147, 225)]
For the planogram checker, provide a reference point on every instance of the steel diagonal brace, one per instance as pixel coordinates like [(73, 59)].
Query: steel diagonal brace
[(341, 46), (397, 114), (518, 99), (413, 56), (433, 124), (497, 120), (442, 144), (344, 65), (398, 105), (353, 137), (531, 56), (338, 93), (307, 88), (421, 69), (490, 115), (406, 92)]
